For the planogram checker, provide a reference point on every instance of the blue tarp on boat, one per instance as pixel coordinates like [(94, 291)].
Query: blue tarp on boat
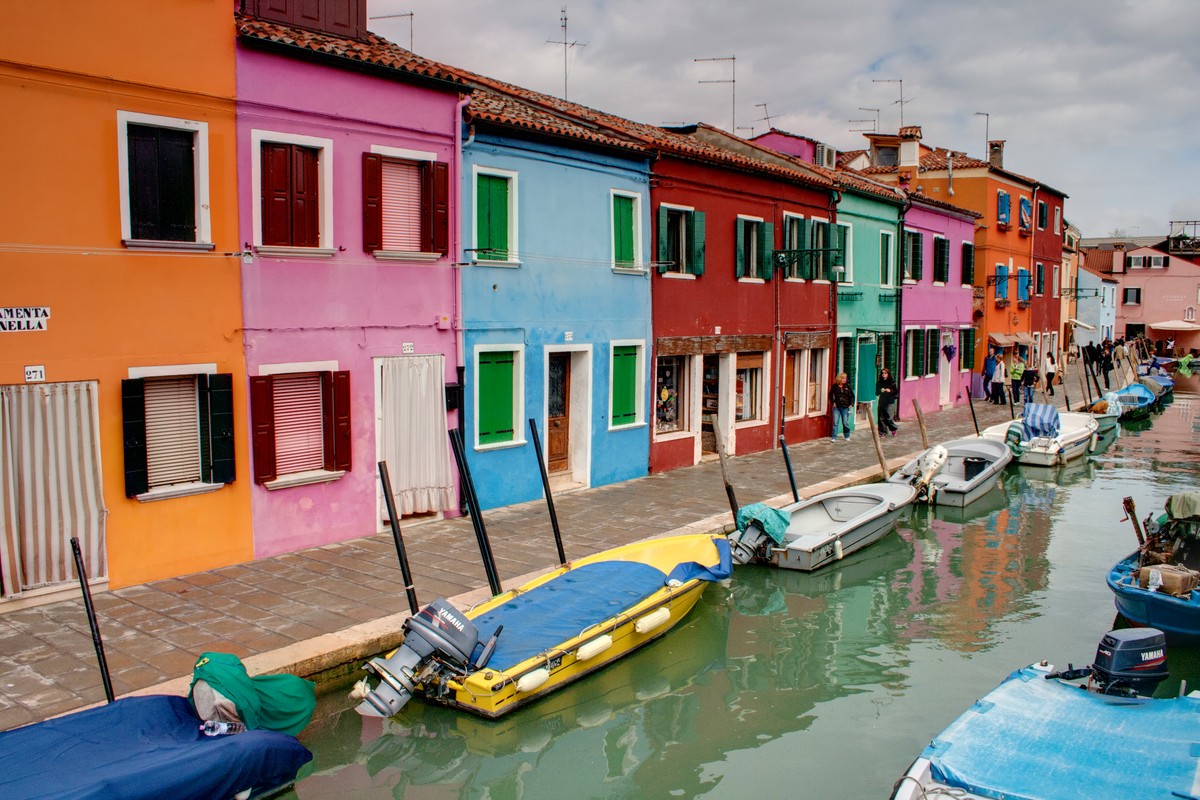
[(1040, 419), (1037, 738), (141, 747), (587, 595)]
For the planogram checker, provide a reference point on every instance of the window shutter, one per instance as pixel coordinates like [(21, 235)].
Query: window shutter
[(739, 257), (624, 385), (837, 241), (133, 432), (1022, 285), (496, 378), (1041, 279), (804, 265), (404, 189), (1004, 207), (661, 254), (850, 361), (1128, 262), (970, 349), (335, 399), (918, 259), (372, 211), (262, 425), (437, 210), (162, 181), (941, 260), (918, 354), (172, 431), (766, 250), (622, 216), (222, 466), (492, 221), (968, 263), (305, 198), (274, 166), (696, 242), (933, 354)]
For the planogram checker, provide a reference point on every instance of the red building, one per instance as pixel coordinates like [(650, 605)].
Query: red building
[(1046, 261)]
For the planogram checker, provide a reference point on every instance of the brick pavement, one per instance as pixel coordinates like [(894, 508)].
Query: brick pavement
[(315, 609)]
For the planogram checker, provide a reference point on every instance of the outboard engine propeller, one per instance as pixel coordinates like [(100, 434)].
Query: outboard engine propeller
[(1130, 662), (439, 633), (749, 545), (928, 465)]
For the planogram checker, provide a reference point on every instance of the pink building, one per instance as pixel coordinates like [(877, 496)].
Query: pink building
[(1158, 298)]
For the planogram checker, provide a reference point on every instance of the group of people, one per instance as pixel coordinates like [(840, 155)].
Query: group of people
[(1020, 376), (841, 404)]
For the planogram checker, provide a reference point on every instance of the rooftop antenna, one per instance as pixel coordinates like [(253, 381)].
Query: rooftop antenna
[(876, 110), (744, 128), (410, 25), (766, 115), (901, 101), (871, 129), (733, 85), (987, 124), (567, 45)]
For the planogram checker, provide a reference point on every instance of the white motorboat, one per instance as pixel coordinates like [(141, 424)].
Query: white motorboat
[(1046, 437), (971, 469), (820, 530)]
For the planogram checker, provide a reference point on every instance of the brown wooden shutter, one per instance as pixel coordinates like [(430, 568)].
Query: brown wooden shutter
[(306, 230), (435, 217), (372, 177), (262, 423), (276, 200), (335, 399)]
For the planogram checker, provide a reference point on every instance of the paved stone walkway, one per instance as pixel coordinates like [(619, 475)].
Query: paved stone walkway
[(318, 608)]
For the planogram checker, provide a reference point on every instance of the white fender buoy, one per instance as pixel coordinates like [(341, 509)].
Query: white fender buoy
[(655, 619), (593, 648), (837, 549), (1092, 444), (532, 680)]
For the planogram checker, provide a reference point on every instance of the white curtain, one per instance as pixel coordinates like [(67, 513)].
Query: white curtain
[(50, 484), (414, 443)]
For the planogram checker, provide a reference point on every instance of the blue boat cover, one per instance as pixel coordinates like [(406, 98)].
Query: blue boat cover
[(141, 747), (554, 612), (1040, 419), (1037, 738), (1135, 396)]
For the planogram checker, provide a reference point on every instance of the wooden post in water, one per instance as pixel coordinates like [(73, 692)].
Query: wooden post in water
[(921, 424), (733, 503), (879, 450), (97, 642), (397, 538), (1083, 384), (971, 403), (537, 448)]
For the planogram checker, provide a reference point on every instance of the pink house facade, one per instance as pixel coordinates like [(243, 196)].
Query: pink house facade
[(1159, 298), (348, 151), (936, 325)]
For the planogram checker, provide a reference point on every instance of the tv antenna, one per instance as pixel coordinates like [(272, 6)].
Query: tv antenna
[(871, 122), (901, 102), (567, 45), (399, 16), (766, 114), (732, 84), (876, 110)]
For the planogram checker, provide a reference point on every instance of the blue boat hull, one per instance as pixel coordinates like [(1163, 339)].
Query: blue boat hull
[(1177, 616)]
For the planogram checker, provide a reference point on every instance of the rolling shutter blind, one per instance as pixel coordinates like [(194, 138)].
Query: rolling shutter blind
[(624, 385), (623, 231), (172, 431), (496, 397), (299, 429), (401, 207)]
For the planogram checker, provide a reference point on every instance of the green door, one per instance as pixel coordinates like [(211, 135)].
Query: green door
[(868, 370)]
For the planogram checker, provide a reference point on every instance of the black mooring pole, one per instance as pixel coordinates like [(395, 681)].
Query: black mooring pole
[(394, 519), (468, 486), (91, 615), (537, 448), (733, 503), (787, 460), (971, 403)]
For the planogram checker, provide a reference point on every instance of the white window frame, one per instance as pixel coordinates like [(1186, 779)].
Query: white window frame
[(518, 351), (1040, 205), (1162, 262), (1058, 219), (908, 352), (760, 417), (889, 254), (822, 356), (640, 388), (284, 481), (200, 168), (325, 161), (750, 250), (514, 251), (1137, 262), (684, 409), (812, 234), (420, 157), (639, 264), (906, 262), (787, 245), (1054, 289), (680, 271)]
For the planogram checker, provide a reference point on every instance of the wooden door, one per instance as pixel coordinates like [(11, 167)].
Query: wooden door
[(558, 413)]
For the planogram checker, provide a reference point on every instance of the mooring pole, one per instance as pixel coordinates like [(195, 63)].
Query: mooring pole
[(537, 448), (971, 403), (485, 547), (91, 616), (787, 460), (394, 521), (733, 503)]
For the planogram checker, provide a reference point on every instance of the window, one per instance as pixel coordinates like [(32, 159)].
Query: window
[(178, 431), (914, 352), (1026, 214), (626, 397), (495, 215), (817, 381), (292, 177), (1001, 282), (671, 394), (1132, 296), (795, 237), (680, 247), (886, 258), (1189, 314), (829, 249), (748, 387), (932, 353), (914, 255), (1134, 262), (1157, 262), (968, 264), (966, 349), (1039, 287), (1043, 215), (941, 260), (1003, 209), (336, 17), (163, 180), (793, 383), (626, 228), (406, 205), (843, 255), (300, 424), (1022, 285), (754, 257), (497, 396), (844, 360), (1057, 219), (1054, 287)]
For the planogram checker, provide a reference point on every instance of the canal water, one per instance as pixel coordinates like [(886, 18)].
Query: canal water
[(788, 685)]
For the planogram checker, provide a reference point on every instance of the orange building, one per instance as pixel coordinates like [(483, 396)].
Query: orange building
[(121, 363)]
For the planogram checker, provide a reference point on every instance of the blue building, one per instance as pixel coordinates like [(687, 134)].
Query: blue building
[(555, 298)]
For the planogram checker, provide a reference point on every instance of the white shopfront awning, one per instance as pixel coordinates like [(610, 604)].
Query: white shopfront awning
[(1175, 325)]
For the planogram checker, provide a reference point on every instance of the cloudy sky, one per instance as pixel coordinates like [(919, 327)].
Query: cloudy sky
[(1097, 98)]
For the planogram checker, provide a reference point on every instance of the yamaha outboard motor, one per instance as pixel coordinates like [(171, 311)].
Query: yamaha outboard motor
[(750, 545), (439, 633), (1131, 661)]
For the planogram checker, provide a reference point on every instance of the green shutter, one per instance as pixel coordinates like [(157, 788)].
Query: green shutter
[(918, 265), (932, 346), (803, 267), (941, 260), (623, 231), (491, 232), (663, 241), (624, 385), (966, 349), (849, 360), (968, 263), (918, 353), (766, 250), (739, 256), (496, 397), (696, 243)]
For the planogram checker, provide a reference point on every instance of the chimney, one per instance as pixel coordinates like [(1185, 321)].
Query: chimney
[(910, 153), (996, 153)]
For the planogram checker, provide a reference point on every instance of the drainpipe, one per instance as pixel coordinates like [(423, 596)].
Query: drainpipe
[(900, 303), (456, 254)]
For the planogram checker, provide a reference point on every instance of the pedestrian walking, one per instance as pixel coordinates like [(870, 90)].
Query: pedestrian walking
[(885, 387), (999, 378), (1050, 368), (1015, 374), (1106, 363), (841, 404), (989, 366)]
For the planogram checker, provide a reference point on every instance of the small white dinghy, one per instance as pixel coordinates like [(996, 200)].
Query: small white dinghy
[(821, 530), (1046, 437), (969, 469)]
